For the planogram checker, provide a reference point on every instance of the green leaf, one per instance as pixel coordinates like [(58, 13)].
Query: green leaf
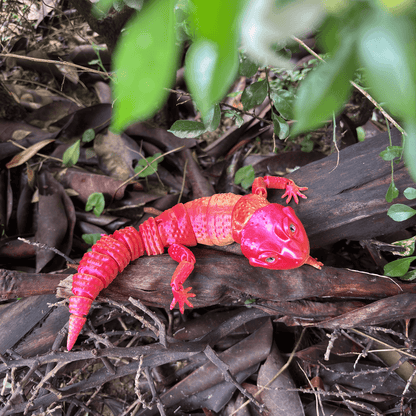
[(283, 102), (211, 63), (148, 166), (391, 152), (409, 276), (209, 72), (118, 5), (400, 212), (269, 25), (236, 115), (410, 193), (134, 4), (94, 62), (88, 135), (96, 203), (325, 89), (280, 126), (387, 48), (145, 60), (392, 192), (182, 11), (71, 155), (213, 118), (410, 148), (91, 239), (330, 34), (245, 176), (398, 267), (307, 145), (247, 67), (101, 8), (187, 129), (360, 134), (408, 244), (254, 94)]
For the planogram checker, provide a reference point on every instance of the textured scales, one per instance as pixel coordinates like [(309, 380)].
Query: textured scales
[(270, 236)]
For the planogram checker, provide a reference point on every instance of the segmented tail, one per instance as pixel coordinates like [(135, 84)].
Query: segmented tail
[(97, 269)]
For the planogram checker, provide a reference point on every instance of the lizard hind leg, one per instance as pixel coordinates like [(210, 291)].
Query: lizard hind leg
[(186, 260)]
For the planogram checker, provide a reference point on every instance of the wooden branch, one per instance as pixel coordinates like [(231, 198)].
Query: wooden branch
[(218, 277)]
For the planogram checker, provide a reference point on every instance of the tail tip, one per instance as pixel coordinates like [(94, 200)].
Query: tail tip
[(74, 328)]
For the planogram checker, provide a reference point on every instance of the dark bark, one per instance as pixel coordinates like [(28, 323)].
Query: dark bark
[(346, 200)]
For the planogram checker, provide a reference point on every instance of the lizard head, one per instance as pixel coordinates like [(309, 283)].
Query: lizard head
[(274, 238)]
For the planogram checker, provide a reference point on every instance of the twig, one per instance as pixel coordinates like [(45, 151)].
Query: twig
[(46, 247), (183, 180), (284, 367), (19, 388), (51, 61), (225, 369), (138, 173), (247, 113), (409, 382), (47, 376), (182, 93), (48, 88), (379, 107), (156, 397), (162, 329), (134, 315), (332, 338), (385, 344), (139, 395), (318, 398)]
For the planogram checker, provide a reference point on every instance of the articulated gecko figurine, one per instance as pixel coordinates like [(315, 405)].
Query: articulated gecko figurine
[(270, 235)]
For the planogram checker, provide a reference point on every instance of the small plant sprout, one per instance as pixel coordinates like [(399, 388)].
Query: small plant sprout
[(245, 176), (96, 203), (400, 267)]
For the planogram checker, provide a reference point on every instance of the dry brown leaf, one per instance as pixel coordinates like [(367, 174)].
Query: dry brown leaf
[(20, 134), (28, 153)]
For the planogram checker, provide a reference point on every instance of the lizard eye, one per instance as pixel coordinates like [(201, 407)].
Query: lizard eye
[(292, 228), (270, 260)]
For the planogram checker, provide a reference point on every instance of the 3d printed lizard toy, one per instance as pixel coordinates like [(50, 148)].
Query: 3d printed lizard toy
[(270, 235)]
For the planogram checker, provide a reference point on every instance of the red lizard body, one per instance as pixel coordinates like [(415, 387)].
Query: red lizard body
[(270, 235)]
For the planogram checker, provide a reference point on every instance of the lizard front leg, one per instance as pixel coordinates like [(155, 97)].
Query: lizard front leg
[(260, 186), (186, 260)]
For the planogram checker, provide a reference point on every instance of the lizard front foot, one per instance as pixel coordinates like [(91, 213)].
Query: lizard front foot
[(181, 296), (292, 190)]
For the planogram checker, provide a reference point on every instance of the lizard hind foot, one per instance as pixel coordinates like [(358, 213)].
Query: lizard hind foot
[(180, 297), (186, 260), (314, 263)]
